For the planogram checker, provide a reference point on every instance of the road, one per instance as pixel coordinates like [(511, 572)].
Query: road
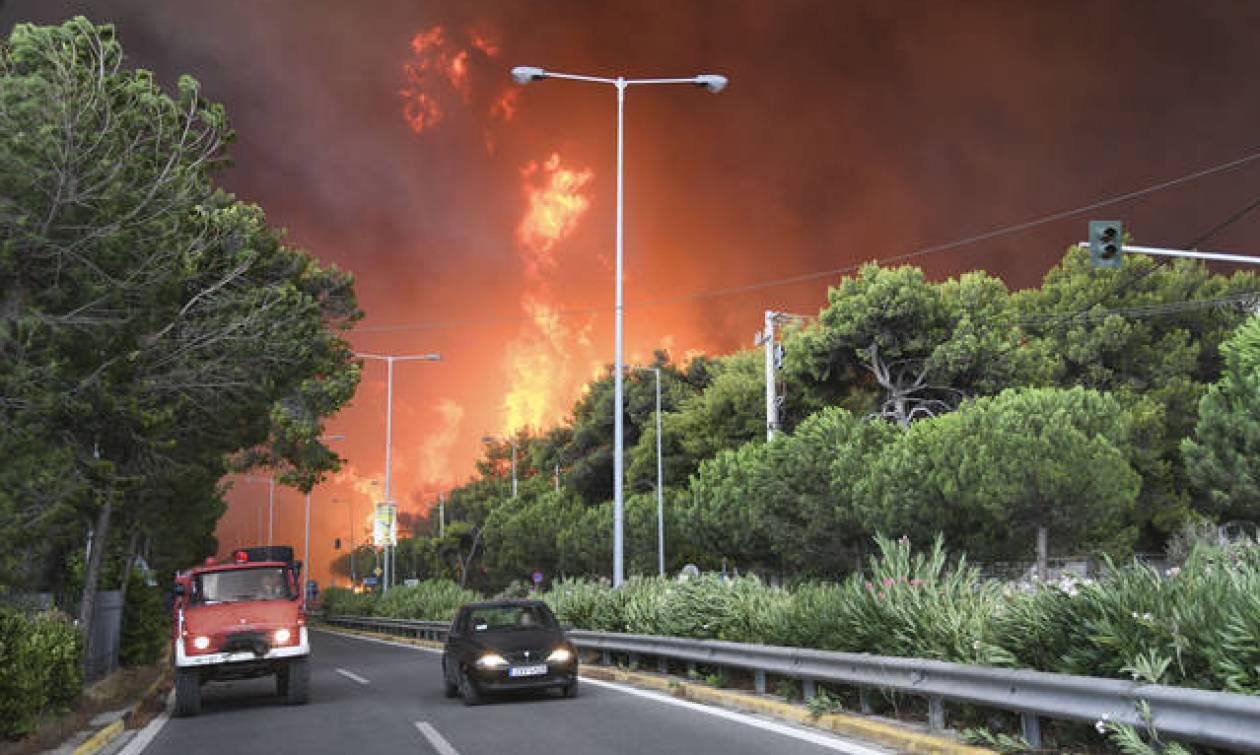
[(370, 697)]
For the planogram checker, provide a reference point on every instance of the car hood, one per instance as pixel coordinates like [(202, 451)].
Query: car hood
[(516, 640)]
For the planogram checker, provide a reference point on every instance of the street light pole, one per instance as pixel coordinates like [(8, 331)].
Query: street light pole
[(389, 360), (713, 83)]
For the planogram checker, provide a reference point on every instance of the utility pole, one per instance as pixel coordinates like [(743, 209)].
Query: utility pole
[(441, 513), (772, 405)]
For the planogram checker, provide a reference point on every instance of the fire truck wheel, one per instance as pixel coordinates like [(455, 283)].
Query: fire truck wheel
[(187, 693), (282, 682), (297, 683)]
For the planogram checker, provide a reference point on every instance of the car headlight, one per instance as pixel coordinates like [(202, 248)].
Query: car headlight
[(560, 655), (201, 642), (282, 636), (492, 660)]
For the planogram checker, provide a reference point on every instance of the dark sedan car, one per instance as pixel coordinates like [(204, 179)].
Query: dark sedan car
[(504, 645)]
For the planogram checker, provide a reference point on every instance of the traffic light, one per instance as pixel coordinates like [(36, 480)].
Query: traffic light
[(1106, 243)]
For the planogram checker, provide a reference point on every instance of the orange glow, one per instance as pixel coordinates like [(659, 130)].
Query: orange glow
[(558, 199), (457, 73), (421, 111), (480, 42), (504, 108)]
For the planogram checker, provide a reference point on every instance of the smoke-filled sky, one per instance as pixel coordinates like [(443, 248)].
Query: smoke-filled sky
[(478, 215)]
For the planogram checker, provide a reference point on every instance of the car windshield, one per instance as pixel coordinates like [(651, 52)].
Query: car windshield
[(497, 618), (261, 583)]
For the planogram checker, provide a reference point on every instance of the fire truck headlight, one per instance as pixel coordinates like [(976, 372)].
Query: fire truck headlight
[(201, 642), (282, 636)]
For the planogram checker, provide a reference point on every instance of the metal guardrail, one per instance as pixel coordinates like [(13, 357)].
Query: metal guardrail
[(1218, 719)]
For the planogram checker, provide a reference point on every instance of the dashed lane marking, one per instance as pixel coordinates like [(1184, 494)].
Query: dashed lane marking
[(352, 676), (437, 740)]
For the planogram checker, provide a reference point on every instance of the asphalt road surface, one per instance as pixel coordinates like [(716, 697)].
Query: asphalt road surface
[(370, 697)]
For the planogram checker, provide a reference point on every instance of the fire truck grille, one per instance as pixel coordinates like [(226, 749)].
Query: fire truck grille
[(246, 642)]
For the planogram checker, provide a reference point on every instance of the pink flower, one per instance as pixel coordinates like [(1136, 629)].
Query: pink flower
[(916, 582), (880, 596), (869, 587), (889, 581)]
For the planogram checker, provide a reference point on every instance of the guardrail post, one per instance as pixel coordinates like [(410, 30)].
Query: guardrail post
[(1032, 728), (662, 664), (605, 657), (936, 713), (864, 700), (807, 689), (633, 661), (759, 682)]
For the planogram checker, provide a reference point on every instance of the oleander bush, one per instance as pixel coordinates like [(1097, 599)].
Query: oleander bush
[(431, 600), (41, 661), (338, 601), (1197, 625)]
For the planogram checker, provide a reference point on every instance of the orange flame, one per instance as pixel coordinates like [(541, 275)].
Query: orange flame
[(484, 44), (504, 107), (557, 201), (540, 362)]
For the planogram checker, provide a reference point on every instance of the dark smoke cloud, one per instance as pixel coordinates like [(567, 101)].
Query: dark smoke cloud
[(850, 131)]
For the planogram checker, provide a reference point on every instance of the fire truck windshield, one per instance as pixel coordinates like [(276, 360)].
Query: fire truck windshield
[(261, 583)]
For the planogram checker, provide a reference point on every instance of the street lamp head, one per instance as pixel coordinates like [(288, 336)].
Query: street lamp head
[(526, 74), (711, 81)]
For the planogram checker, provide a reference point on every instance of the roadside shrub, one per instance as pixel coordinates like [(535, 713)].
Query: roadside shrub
[(1197, 626), (906, 604), (430, 600), (338, 601), (145, 625), (587, 604), (707, 607), (40, 668)]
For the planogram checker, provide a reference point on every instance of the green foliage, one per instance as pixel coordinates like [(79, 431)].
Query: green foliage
[(586, 604), (1004, 743), (42, 659), (430, 600), (1009, 464), (1223, 457), (822, 703), (338, 601), (146, 625), (1129, 741)]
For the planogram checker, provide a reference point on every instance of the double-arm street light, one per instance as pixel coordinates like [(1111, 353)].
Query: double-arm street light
[(713, 83), (512, 439), (389, 360)]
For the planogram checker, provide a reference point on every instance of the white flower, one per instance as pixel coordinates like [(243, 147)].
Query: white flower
[(1174, 571), (1101, 724)]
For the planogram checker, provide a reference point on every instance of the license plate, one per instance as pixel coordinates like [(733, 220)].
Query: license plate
[(538, 670)]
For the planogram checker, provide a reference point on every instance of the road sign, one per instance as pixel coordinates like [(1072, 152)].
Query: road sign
[(377, 571), (385, 524), (538, 577), (369, 581)]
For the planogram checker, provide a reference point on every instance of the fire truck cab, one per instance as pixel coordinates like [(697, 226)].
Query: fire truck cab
[(240, 619)]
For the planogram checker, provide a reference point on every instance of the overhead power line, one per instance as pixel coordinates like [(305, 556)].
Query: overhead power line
[(805, 277)]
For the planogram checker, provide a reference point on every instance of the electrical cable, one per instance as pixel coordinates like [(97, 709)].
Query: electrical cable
[(804, 277)]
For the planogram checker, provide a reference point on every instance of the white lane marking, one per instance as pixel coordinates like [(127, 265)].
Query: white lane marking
[(142, 738), (439, 743), (823, 740), (352, 676)]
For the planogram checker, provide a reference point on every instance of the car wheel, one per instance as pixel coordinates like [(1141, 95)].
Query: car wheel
[(297, 684), (187, 693), (449, 688), (570, 689), (468, 690)]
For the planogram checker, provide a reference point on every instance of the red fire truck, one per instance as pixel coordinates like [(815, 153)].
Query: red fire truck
[(240, 619)]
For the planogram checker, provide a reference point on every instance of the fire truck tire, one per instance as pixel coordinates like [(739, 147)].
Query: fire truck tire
[(297, 683), (187, 693)]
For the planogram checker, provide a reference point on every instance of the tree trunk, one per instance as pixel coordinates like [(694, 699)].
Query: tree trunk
[(92, 573), (1043, 568)]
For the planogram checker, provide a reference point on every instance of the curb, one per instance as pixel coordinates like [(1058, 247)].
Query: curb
[(878, 732), (856, 726), (106, 735), (100, 739)]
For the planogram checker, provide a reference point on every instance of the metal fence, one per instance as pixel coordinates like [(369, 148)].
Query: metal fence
[(1218, 719)]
